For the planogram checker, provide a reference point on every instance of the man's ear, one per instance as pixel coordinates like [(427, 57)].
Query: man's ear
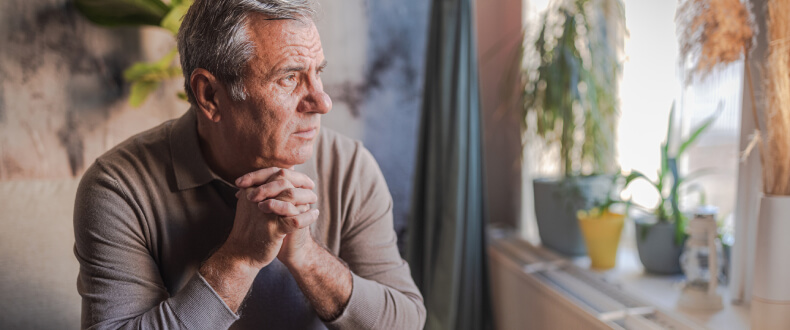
[(207, 89)]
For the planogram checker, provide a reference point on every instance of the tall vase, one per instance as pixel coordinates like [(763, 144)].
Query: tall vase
[(771, 290)]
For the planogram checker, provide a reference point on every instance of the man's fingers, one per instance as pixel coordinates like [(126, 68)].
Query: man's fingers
[(278, 207), (256, 178), (297, 196), (300, 221), (299, 180), (268, 190), (302, 208)]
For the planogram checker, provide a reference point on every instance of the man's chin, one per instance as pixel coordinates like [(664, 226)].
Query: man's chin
[(301, 155)]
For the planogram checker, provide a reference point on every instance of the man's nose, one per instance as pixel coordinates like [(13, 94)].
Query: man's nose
[(317, 100)]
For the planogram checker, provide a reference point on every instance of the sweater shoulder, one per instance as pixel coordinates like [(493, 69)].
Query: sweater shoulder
[(141, 154)]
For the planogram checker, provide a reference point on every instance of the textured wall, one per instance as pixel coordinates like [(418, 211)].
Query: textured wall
[(393, 93), (63, 99), (376, 51)]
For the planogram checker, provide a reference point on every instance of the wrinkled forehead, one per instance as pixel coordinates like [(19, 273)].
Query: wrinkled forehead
[(273, 37)]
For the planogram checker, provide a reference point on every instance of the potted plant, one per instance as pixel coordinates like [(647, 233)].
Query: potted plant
[(144, 77), (570, 101), (601, 227), (661, 234)]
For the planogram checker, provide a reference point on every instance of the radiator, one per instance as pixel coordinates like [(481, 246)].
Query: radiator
[(533, 288)]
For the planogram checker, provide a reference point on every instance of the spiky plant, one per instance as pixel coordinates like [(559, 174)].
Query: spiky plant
[(670, 183)]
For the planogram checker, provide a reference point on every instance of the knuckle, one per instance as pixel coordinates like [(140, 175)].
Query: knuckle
[(249, 193), (275, 205), (292, 210), (265, 205), (285, 184), (255, 193), (311, 217), (289, 224), (288, 193), (295, 223)]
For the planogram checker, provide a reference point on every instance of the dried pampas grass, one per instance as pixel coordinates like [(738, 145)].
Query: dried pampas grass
[(776, 142), (717, 31)]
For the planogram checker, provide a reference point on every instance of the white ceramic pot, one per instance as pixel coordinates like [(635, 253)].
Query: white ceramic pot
[(771, 291)]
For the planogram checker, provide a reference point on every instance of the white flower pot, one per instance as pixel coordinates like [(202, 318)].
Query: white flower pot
[(771, 291)]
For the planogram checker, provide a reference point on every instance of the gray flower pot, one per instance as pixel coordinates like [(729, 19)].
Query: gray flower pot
[(656, 244), (556, 204)]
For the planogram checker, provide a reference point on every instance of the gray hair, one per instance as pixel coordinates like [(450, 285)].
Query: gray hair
[(213, 36)]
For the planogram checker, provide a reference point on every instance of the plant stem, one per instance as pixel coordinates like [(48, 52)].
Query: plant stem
[(751, 89)]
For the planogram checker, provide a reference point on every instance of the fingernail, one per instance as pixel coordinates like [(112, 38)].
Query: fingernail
[(239, 180)]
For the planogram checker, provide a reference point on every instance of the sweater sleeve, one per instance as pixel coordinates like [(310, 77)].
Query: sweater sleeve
[(384, 295), (119, 280)]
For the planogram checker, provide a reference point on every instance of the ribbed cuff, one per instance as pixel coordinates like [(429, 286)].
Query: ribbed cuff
[(198, 306), (364, 306)]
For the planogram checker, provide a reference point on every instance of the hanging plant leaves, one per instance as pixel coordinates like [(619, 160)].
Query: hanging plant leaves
[(123, 12), (571, 90), (140, 91), (151, 71), (146, 77), (172, 22)]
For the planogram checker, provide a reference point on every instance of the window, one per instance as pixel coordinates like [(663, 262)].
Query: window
[(651, 82)]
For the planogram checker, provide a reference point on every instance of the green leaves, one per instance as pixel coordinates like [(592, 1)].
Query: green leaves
[(669, 204), (123, 12), (706, 124), (637, 175), (572, 90), (135, 12), (172, 22), (146, 77), (140, 91)]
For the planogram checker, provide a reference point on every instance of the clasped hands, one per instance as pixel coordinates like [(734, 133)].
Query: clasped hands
[(273, 216)]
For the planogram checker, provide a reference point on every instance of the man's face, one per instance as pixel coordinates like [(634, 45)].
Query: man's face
[(279, 120)]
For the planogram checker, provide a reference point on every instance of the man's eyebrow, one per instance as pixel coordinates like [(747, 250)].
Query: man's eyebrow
[(298, 68)]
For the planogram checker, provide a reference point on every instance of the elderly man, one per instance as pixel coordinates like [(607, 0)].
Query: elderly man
[(243, 213)]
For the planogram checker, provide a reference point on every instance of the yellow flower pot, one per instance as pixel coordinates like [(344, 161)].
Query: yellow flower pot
[(602, 236)]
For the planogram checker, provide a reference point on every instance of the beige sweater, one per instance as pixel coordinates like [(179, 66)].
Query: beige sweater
[(148, 212)]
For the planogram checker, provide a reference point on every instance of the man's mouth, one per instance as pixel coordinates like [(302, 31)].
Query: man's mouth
[(307, 133)]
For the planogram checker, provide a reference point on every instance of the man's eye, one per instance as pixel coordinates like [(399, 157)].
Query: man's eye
[(288, 80)]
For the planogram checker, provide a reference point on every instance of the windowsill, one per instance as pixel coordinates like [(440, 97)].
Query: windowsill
[(664, 291)]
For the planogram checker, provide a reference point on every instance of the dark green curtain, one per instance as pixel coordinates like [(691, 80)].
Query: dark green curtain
[(446, 239)]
